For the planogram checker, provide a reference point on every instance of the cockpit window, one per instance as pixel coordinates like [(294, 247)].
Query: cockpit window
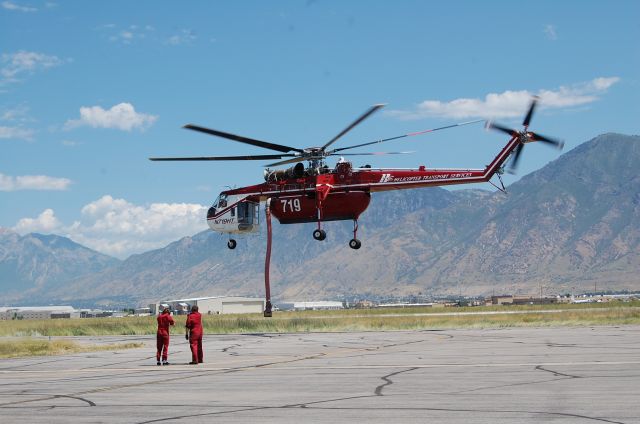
[(221, 201)]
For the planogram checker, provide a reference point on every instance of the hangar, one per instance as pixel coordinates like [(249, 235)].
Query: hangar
[(38, 312), (213, 305)]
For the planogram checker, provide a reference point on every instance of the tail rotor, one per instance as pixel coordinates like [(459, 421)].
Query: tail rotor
[(525, 136)]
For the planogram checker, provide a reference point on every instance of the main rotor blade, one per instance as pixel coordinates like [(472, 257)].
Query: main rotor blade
[(353, 124), (241, 139), (254, 157), (539, 137), (527, 118), (494, 126), (406, 135), (516, 157), (370, 153)]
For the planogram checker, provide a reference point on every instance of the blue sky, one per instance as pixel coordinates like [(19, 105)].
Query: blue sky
[(90, 90)]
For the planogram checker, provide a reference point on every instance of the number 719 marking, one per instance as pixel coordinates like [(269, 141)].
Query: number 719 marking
[(292, 204)]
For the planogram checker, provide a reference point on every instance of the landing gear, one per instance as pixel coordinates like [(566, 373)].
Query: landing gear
[(354, 243), (231, 244), (319, 234)]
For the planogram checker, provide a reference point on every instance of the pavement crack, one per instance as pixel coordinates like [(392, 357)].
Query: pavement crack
[(556, 373), (233, 346), (388, 381), (45, 398), (77, 398)]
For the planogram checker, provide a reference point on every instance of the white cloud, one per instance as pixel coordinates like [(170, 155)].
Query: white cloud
[(16, 64), (9, 5), (120, 228), (550, 32), (134, 33), (121, 116), (70, 143), (602, 84), (16, 133), (18, 113), (127, 35), (33, 182), (509, 103), (46, 222), (204, 188), (185, 36)]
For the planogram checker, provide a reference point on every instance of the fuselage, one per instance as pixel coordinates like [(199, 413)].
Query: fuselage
[(340, 193)]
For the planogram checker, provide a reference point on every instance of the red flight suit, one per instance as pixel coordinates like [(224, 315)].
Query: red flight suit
[(164, 321), (194, 324)]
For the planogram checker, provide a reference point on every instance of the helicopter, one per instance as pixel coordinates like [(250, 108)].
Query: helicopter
[(318, 193)]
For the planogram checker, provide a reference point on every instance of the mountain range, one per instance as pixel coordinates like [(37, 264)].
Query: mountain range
[(572, 225)]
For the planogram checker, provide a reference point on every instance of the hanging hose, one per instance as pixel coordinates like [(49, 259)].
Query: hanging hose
[(267, 260)]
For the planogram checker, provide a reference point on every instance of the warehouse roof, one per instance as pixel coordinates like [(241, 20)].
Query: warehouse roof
[(37, 308), (191, 299)]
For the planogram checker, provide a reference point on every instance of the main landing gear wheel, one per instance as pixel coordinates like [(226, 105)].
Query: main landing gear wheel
[(355, 244), (231, 244), (319, 235)]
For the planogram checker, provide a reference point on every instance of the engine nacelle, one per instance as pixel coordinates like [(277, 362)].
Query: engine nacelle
[(296, 171)]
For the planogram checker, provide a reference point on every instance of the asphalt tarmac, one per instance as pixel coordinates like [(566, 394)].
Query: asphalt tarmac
[(513, 375)]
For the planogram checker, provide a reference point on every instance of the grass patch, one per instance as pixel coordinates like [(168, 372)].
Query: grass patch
[(34, 347), (612, 313)]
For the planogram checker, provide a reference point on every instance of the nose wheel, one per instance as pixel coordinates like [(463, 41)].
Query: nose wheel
[(354, 243), (231, 244), (319, 234)]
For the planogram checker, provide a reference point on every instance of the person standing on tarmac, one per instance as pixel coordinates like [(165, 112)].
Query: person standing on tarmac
[(194, 335), (164, 321)]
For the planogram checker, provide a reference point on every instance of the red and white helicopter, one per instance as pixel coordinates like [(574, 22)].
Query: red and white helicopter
[(318, 193)]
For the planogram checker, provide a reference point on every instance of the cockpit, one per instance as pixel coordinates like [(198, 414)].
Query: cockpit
[(219, 204), (221, 201), (234, 210)]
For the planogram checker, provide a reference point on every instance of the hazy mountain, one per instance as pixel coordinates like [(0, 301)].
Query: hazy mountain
[(32, 265), (573, 223)]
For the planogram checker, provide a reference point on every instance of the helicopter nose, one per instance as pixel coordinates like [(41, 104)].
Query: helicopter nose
[(211, 212)]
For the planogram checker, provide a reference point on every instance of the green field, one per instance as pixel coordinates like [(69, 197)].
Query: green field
[(612, 313)]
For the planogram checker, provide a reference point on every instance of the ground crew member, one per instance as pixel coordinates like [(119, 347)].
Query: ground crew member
[(194, 335), (164, 321)]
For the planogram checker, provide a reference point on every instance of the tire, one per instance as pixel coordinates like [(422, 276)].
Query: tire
[(355, 244), (319, 235), (231, 244)]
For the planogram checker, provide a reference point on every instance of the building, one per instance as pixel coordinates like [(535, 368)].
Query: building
[(142, 312), (506, 299), (38, 312), (317, 306), (99, 313), (408, 305), (213, 305), (520, 300)]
